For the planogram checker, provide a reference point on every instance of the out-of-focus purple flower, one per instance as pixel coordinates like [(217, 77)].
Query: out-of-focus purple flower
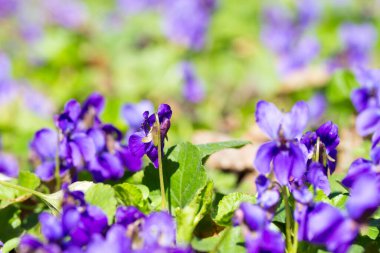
[(364, 198), (115, 241), (258, 236), (287, 154), (265, 241), (267, 198), (317, 177), (317, 107), (186, 21), (366, 100), (285, 34), (193, 90), (8, 87), (50, 227), (322, 145), (358, 41), (43, 153), (326, 225), (8, 7), (126, 215), (70, 13), (133, 7), (158, 229), (36, 101), (8, 165), (142, 142), (132, 114)]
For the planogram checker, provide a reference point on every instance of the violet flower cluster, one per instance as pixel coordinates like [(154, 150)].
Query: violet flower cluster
[(82, 227), (298, 163), (286, 34), (366, 101), (84, 142), (355, 51)]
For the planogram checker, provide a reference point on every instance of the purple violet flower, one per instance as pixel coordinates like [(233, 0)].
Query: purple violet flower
[(8, 165), (193, 89), (142, 141), (287, 154), (186, 21), (132, 114)]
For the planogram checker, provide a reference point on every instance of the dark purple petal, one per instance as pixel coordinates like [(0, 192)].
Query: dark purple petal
[(269, 199), (45, 170), (253, 216), (158, 228), (289, 163), (322, 221), (360, 98), (328, 134), (375, 155), (70, 219), (265, 241), (317, 177), (302, 195), (29, 243), (95, 102), (262, 184), (269, 118), (136, 144), (112, 164), (113, 131), (132, 162), (94, 220), (152, 153), (295, 121), (264, 156), (8, 165), (98, 138), (116, 241), (342, 236), (86, 146), (73, 109), (126, 215), (358, 168), (368, 121), (309, 139), (50, 227), (364, 198), (45, 143)]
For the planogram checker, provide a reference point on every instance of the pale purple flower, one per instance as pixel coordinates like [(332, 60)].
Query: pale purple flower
[(193, 88)]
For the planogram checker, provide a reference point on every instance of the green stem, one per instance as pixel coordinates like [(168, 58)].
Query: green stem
[(57, 169), (160, 170), (295, 237), (22, 188), (225, 234), (288, 219)]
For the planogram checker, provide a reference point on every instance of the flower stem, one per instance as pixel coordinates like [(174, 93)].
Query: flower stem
[(295, 237), (288, 219), (57, 169), (225, 234), (22, 188), (160, 170)]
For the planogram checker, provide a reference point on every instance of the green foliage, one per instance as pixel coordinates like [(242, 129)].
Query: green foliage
[(103, 196), (133, 195), (233, 241), (341, 86), (189, 177), (211, 148), (189, 217), (227, 206)]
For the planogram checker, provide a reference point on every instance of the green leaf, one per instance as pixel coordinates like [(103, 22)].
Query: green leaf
[(10, 245), (228, 204), (189, 217), (232, 242), (372, 230), (189, 177), (211, 148), (342, 83), (103, 196), (133, 195), (28, 179), (10, 196)]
